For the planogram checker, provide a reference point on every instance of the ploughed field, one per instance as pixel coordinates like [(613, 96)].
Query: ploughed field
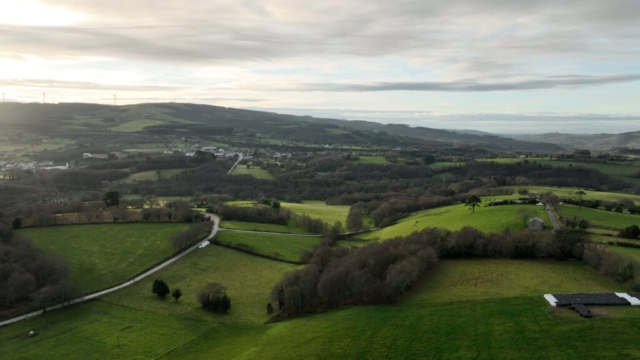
[(462, 309)]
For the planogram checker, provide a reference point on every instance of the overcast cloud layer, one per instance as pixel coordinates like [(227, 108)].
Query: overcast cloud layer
[(444, 62)]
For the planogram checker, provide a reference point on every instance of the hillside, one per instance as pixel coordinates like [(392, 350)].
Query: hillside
[(630, 140), (192, 119)]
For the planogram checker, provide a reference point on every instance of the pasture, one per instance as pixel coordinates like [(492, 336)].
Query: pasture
[(248, 279), (490, 219), (253, 171), (448, 315), (251, 226), (135, 125), (371, 160), (597, 217), (103, 255), (314, 209), (319, 210), (285, 247), (564, 192)]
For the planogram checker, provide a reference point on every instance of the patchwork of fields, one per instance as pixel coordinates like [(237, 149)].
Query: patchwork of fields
[(462, 309)]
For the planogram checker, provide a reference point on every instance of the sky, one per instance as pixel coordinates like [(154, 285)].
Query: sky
[(499, 66)]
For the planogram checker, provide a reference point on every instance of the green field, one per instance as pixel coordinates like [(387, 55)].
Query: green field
[(315, 209), (467, 309), (371, 160), (319, 210), (103, 255), (286, 247), (242, 225), (491, 219), (633, 253), (444, 164), (570, 193), (135, 125), (602, 218), (248, 280), (253, 171), (151, 175)]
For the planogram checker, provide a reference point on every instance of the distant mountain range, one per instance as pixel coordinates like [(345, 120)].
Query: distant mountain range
[(164, 118), (629, 140)]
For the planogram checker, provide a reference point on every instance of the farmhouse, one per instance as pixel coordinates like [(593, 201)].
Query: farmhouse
[(536, 224)]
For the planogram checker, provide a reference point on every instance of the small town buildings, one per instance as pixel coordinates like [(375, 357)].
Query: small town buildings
[(536, 224)]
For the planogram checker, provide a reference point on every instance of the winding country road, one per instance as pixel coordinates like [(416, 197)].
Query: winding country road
[(556, 225), (214, 230), (235, 164)]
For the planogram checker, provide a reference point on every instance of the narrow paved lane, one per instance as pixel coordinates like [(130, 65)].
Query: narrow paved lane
[(235, 164), (556, 225), (216, 223)]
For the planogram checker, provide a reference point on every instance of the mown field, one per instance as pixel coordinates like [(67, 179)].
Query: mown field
[(466, 309), (371, 160), (253, 171), (103, 255), (597, 217), (251, 226), (489, 219), (151, 175), (319, 210), (285, 247), (571, 193), (315, 209), (135, 125)]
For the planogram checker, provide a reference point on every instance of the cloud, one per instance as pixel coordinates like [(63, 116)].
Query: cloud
[(45, 83), (468, 85)]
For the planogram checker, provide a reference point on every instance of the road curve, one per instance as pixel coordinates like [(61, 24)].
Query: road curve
[(556, 225), (235, 164), (214, 230)]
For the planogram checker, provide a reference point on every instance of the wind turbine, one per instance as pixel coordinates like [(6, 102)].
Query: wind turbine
[(3, 98), (44, 97), (115, 98)]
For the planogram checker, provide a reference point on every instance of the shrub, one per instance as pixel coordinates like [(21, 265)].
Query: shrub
[(160, 288), (214, 297)]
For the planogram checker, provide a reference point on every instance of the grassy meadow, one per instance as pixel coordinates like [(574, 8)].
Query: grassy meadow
[(597, 217), (319, 210), (464, 309), (285, 247), (248, 279), (103, 255), (570, 193), (253, 171), (371, 160), (251, 226), (490, 219)]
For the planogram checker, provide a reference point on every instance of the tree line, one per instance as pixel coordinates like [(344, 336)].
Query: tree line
[(30, 276), (378, 273)]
